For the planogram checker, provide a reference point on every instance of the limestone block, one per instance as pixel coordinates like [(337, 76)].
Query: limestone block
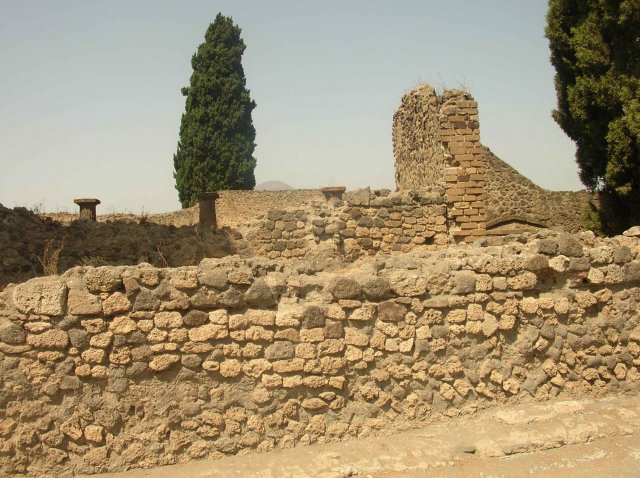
[(256, 367), (407, 284), (93, 355), (457, 316), (240, 277), (182, 278), (51, 339), (146, 275), (313, 404), (236, 322), (230, 368), (353, 336), (523, 281), (286, 366), (116, 303), (271, 380), (365, 313), (208, 332), (257, 333), (330, 346), (163, 362), (292, 381), (94, 433), (312, 335), (100, 372), (122, 325), (595, 276), (80, 302), (120, 356), (42, 296), (489, 325)]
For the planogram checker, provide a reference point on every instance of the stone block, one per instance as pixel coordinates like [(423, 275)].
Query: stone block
[(42, 296)]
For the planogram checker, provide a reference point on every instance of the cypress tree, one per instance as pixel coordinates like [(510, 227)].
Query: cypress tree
[(595, 49), (215, 149)]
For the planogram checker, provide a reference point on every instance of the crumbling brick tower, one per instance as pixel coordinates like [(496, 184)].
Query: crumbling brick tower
[(436, 142)]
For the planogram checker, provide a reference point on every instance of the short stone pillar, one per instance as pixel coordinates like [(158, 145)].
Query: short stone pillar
[(333, 192), (207, 205), (87, 208)]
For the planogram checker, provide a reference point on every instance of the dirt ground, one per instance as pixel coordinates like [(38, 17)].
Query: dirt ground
[(562, 438)]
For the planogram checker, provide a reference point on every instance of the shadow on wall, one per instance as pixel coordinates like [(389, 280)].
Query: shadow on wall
[(28, 244)]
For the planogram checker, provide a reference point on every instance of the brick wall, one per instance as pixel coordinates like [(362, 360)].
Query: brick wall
[(466, 168)]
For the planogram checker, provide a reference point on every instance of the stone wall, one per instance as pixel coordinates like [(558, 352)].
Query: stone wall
[(233, 208), (108, 368), (437, 141), (417, 143), (510, 194), (366, 222)]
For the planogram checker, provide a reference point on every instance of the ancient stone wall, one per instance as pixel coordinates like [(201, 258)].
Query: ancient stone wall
[(366, 222), (233, 208), (108, 368), (510, 194), (437, 141), (417, 144), (465, 172)]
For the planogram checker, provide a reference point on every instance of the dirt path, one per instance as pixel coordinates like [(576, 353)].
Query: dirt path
[(565, 438)]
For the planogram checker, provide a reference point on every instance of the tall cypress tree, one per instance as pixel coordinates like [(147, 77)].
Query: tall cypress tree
[(595, 49), (215, 149)]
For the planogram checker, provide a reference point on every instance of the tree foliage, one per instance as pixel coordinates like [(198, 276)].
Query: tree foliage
[(215, 149), (595, 49)]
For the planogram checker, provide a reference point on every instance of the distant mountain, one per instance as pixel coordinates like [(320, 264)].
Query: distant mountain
[(272, 186)]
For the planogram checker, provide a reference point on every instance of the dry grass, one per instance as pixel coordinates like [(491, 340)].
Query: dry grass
[(51, 257), (161, 258)]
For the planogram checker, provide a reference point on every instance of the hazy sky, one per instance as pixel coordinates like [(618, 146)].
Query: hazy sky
[(90, 101)]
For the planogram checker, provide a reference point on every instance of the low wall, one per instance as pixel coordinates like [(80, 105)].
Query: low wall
[(234, 208), (108, 368), (366, 222)]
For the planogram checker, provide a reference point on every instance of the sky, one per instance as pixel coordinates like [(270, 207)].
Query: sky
[(90, 101)]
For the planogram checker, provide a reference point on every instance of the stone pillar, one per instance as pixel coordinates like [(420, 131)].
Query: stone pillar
[(333, 192), (87, 208), (207, 205)]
